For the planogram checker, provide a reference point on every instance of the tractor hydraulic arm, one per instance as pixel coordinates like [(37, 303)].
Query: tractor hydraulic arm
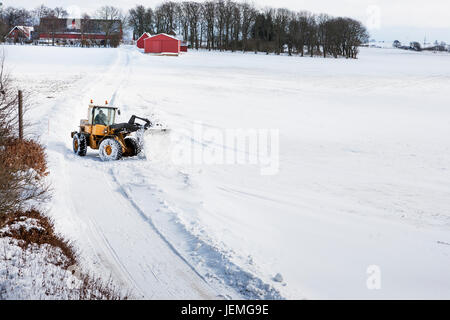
[(133, 118)]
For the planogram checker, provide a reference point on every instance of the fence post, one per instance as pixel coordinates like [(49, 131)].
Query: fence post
[(20, 115)]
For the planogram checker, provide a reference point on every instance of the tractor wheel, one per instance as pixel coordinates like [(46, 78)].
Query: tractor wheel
[(110, 149), (79, 144), (133, 147)]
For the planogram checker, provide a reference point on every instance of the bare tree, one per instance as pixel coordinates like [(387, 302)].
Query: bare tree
[(140, 20), (41, 12), (183, 22), (228, 16), (248, 13), (208, 14), (220, 23), (193, 12), (236, 27), (322, 34), (111, 21), (166, 17), (60, 12), (281, 24)]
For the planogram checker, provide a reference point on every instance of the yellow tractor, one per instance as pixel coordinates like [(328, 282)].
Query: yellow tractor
[(101, 132)]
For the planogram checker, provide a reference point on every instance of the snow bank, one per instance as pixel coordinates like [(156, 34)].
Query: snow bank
[(37, 271)]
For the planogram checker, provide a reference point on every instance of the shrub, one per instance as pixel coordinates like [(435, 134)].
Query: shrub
[(22, 169)]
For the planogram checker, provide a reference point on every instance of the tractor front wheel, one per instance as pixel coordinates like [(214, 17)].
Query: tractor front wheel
[(110, 149), (133, 147), (79, 144)]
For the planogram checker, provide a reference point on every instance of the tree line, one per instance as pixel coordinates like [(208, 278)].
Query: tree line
[(225, 25), (229, 25)]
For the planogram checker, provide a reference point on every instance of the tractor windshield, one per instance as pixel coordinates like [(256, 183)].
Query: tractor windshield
[(104, 116)]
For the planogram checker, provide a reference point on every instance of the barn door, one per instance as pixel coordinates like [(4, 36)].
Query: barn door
[(155, 46)]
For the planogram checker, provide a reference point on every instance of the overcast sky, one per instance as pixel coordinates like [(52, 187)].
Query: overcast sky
[(386, 19)]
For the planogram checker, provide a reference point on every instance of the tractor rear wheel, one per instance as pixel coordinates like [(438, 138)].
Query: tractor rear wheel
[(110, 149), (133, 147), (79, 144)]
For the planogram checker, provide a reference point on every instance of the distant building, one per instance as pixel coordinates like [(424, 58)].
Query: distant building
[(183, 46), (397, 44), (415, 46), (20, 34), (438, 47), (75, 31)]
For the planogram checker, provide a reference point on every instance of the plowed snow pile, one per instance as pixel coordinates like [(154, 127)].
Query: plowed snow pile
[(158, 146)]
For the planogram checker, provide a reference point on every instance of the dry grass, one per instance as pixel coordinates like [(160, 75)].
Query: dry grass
[(22, 155), (43, 234)]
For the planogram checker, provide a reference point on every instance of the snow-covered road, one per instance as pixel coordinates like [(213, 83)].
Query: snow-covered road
[(361, 195)]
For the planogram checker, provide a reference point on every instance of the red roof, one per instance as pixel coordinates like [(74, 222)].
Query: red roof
[(145, 35)]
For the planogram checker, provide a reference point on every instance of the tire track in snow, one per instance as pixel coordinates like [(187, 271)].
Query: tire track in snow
[(115, 100), (148, 220)]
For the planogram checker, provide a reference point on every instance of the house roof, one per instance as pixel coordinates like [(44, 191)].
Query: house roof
[(25, 29)]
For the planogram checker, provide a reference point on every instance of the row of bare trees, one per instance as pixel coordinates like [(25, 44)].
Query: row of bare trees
[(230, 25)]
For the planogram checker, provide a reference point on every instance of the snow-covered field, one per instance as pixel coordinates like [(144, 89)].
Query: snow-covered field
[(359, 206)]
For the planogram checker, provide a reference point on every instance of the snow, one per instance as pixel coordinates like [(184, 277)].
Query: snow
[(361, 190), (33, 272), (26, 273)]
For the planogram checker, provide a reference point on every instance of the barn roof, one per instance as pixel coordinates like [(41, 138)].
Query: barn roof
[(163, 34), (145, 33)]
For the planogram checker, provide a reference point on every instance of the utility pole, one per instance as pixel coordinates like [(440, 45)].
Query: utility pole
[(20, 115)]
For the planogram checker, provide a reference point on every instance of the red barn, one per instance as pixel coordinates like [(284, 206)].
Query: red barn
[(163, 44), (140, 41)]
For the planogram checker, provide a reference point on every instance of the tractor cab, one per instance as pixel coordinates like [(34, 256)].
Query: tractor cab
[(101, 115), (99, 118)]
